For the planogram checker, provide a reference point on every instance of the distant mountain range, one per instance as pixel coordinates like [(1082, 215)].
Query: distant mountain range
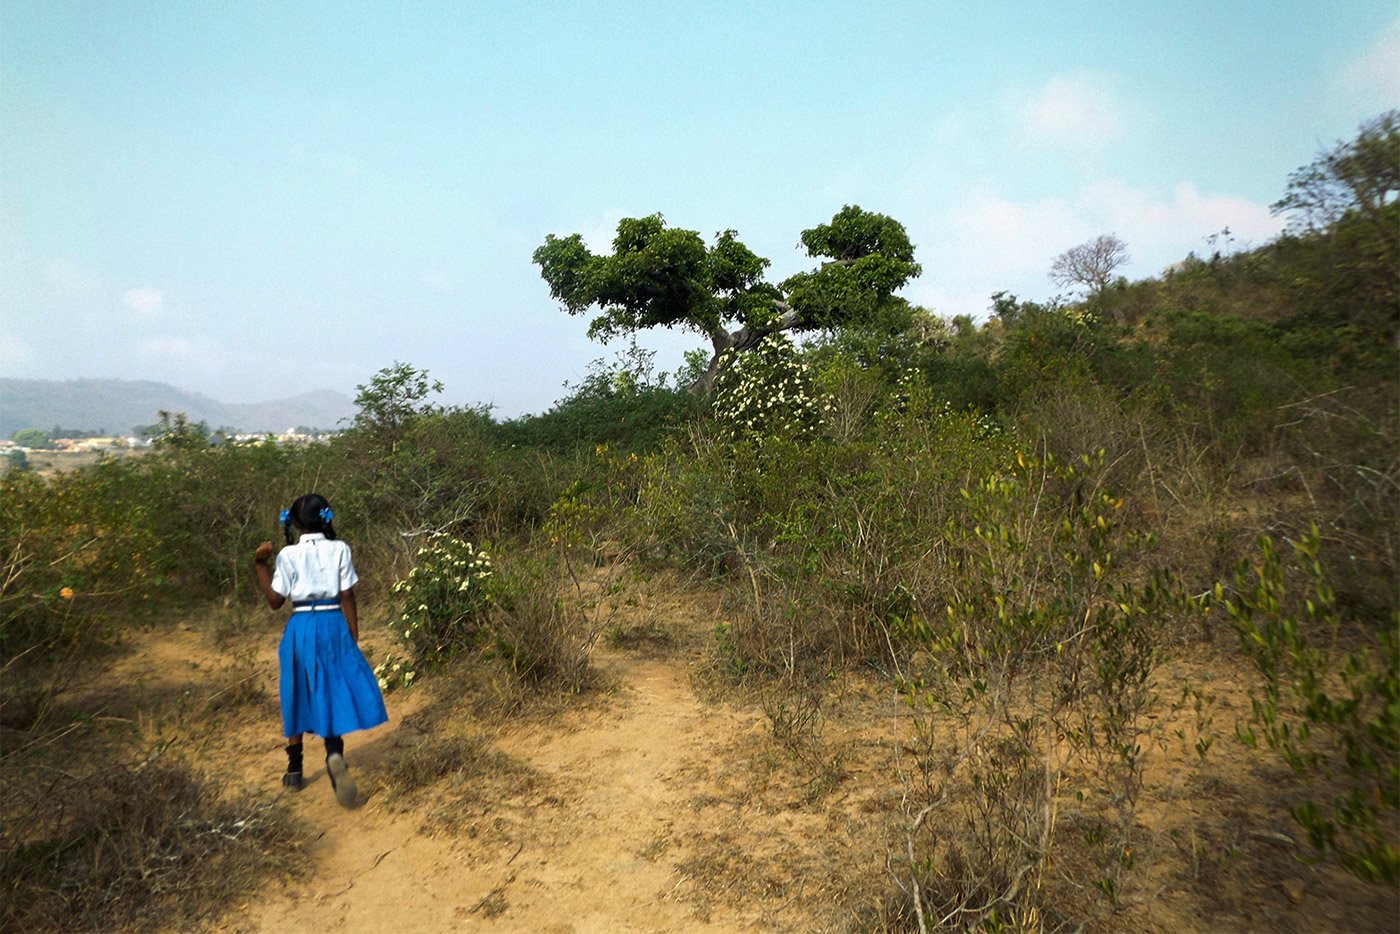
[(116, 406)]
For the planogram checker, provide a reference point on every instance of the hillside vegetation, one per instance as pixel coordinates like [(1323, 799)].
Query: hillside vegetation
[(1038, 530)]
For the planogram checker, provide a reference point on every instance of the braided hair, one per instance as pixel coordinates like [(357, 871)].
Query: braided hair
[(309, 513)]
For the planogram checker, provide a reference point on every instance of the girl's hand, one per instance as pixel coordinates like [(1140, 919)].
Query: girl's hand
[(263, 553)]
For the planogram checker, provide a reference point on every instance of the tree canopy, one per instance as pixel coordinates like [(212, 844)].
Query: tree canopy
[(1343, 238), (393, 397), (660, 276), (34, 438), (1090, 264), (1362, 174)]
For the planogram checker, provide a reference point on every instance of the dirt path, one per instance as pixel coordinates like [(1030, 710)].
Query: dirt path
[(588, 855), (598, 865), (634, 823)]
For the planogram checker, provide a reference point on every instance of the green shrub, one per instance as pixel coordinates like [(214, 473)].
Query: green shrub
[(1331, 713), (627, 406), (77, 548), (1035, 676), (685, 505), (544, 627)]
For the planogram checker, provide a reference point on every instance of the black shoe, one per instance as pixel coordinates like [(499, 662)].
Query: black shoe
[(341, 782), (292, 780)]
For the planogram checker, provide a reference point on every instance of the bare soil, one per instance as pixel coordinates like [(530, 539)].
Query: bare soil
[(664, 802), (48, 463)]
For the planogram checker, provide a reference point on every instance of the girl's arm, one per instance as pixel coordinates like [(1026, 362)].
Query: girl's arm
[(351, 612), (262, 576)]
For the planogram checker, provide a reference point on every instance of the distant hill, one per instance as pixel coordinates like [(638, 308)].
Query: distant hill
[(117, 405)]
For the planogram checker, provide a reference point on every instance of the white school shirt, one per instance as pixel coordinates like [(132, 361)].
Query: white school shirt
[(315, 568)]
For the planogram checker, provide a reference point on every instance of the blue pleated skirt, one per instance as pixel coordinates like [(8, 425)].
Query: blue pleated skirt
[(326, 685)]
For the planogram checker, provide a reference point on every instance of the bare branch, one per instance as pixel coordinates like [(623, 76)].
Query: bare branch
[(1090, 264)]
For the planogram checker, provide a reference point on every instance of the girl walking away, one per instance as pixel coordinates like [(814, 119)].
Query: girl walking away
[(327, 687)]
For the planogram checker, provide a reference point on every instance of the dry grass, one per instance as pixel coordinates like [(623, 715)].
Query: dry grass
[(146, 847), (796, 822), (104, 824), (724, 869), (457, 781), (237, 687), (646, 636), (461, 760)]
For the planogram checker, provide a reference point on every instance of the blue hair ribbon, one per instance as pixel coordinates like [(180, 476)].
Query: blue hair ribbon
[(327, 515), (284, 516)]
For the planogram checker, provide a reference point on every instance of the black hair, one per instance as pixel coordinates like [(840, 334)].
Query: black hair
[(305, 513)]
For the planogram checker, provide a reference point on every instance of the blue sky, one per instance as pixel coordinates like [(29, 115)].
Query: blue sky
[(257, 199)]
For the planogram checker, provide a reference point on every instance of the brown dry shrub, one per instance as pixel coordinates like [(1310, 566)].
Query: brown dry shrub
[(143, 848), (542, 630)]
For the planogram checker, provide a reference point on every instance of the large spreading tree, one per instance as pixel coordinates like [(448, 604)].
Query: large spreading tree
[(659, 276)]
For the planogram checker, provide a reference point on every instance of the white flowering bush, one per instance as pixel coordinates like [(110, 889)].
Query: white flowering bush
[(911, 389), (443, 606), (766, 391)]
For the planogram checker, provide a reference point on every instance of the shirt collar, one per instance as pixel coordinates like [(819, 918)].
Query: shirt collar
[(311, 537)]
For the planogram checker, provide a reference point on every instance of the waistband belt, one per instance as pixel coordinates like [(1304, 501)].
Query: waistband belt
[(310, 606)]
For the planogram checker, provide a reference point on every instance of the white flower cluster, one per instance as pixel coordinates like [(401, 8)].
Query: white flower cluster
[(910, 383), (394, 672), (988, 427), (766, 390), (451, 583)]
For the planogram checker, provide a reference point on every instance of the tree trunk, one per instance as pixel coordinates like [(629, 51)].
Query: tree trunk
[(742, 340)]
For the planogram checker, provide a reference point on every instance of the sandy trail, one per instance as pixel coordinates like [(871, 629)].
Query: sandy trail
[(595, 845), (597, 865)]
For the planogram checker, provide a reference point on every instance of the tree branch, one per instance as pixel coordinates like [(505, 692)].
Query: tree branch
[(744, 338)]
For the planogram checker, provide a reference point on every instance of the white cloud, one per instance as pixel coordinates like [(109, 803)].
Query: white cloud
[(989, 243), (1178, 222), (1372, 79), (15, 353), (1078, 111), (1005, 236), (144, 301)]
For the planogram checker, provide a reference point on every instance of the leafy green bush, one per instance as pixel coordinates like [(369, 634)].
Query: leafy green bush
[(77, 549), (627, 406), (544, 625), (1034, 676), (1331, 713), (685, 505)]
